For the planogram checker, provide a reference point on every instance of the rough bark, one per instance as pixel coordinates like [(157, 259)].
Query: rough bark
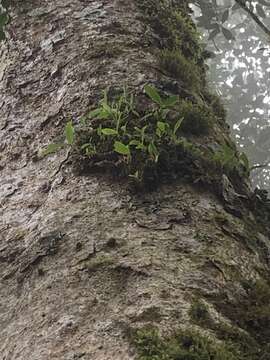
[(82, 260)]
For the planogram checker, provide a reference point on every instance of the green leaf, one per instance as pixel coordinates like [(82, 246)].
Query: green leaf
[(158, 133), (104, 114), (177, 125), (153, 94), (99, 131), (69, 131), (107, 108), (121, 148), (51, 149), (3, 18), (84, 146), (108, 131), (161, 126), (141, 131), (124, 128), (89, 149), (153, 151), (2, 35), (145, 117), (144, 129), (170, 101), (139, 145), (134, 142), (135, 176), (94, 113), (164, 113)]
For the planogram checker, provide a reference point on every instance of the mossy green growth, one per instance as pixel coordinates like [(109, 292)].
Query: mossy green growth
[(241, 339), (199, 311), (181, 68), (197, 118), (251, 312), (179, 48), (230, 334), (173, 25), (217, 106), (254, 312), (231, 161), (183, 345), (4, 18), (262, 210)]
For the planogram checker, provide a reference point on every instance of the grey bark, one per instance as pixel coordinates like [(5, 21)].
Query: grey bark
[(82, 260)]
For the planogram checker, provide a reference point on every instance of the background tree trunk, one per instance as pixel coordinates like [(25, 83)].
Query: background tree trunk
[(82, 260)]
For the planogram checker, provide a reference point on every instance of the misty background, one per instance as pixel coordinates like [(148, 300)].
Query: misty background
[(239, 71)]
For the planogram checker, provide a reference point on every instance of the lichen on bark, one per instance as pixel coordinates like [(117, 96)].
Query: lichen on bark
[(84, 263)]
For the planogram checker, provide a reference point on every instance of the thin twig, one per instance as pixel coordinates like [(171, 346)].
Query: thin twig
[(261, 166)]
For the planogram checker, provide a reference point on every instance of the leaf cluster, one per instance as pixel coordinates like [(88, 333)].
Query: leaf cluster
[(149, 144), (115, 129)]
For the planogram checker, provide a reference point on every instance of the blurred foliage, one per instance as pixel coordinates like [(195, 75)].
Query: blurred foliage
[(240, 73), (216, 15), (4, 17)]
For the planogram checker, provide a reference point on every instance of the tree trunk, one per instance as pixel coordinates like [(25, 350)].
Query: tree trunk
[(84, 262)]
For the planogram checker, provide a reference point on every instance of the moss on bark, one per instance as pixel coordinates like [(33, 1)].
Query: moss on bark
[(186, 344)]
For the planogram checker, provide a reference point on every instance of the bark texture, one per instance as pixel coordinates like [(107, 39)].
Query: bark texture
[(83, 261)]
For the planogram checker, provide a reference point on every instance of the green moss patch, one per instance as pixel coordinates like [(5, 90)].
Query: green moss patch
[(218, 108), (4, 18), (179, 67), (177, 33), (199, 312), (250, 312), (180, 52), (253, 310), (183, 345), (230, 334), (198, 118)]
